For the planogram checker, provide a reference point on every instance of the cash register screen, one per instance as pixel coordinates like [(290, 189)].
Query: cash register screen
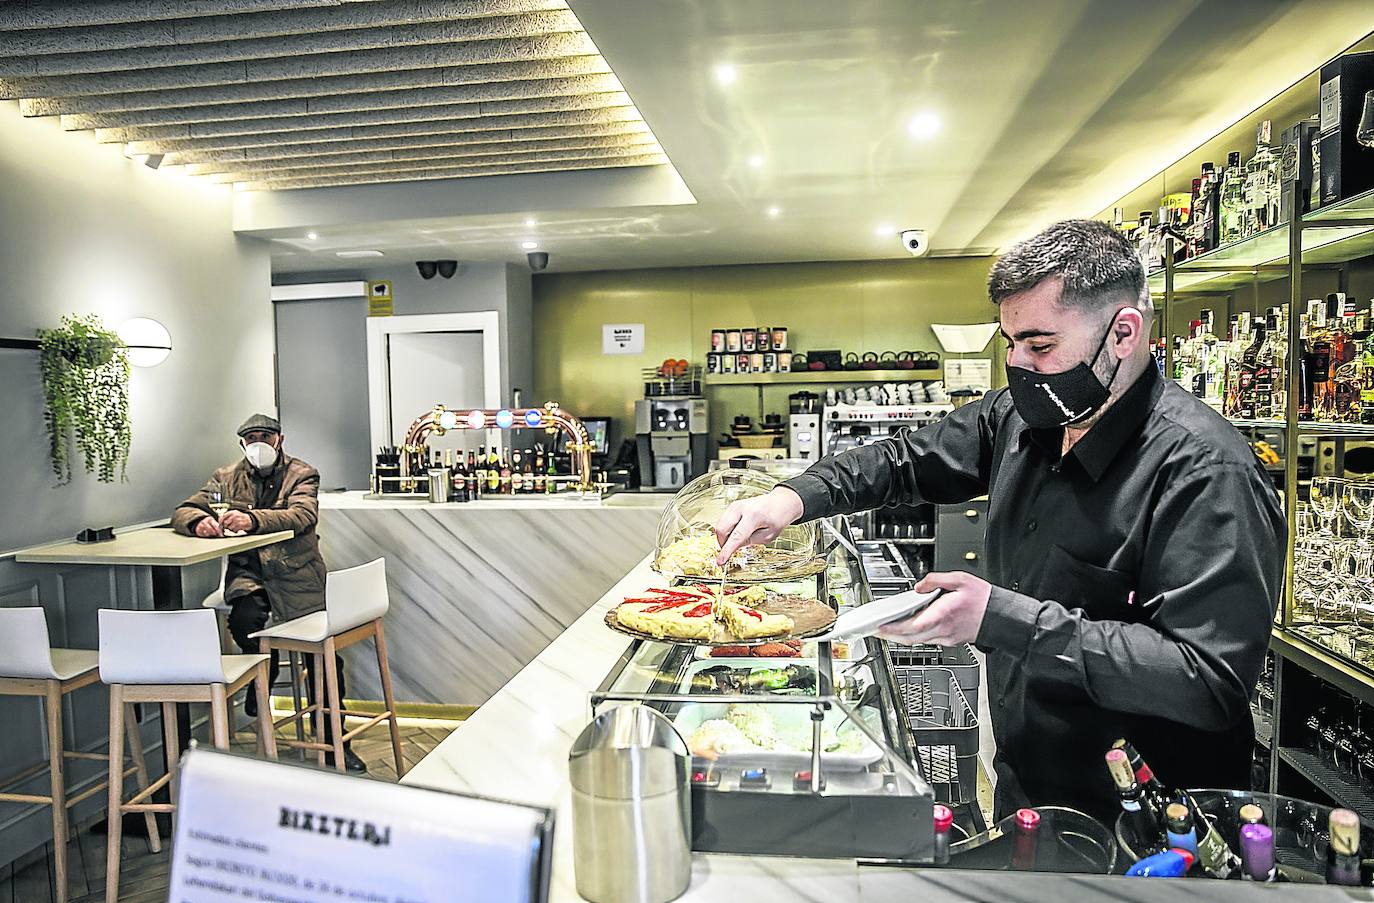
[(599, 429)]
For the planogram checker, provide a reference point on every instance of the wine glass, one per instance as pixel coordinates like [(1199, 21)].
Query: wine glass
[(217, 503), (1324, 496), (1364, 134)]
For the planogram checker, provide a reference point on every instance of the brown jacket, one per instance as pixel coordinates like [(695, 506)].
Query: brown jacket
[(286, 498)]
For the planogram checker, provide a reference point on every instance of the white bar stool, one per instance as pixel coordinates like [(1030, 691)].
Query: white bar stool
[(355, 602), (30, 667), (169, 657)]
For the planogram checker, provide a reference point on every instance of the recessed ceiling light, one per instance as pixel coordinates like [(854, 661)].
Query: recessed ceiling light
[(312, 235), (756, 161), (883, 231), (923, 126), (726, 74), (773, 211), (530, 223), (529, 245), (359, 254)]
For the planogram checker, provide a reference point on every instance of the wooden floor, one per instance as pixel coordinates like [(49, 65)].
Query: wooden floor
[(144, 875)]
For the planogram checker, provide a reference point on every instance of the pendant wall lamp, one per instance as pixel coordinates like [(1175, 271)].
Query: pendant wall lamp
[(148, 342)]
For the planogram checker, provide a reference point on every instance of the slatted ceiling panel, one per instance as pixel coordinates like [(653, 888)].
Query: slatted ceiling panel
[(293, 93)]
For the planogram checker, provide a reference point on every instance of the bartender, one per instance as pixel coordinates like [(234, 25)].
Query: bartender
[(1134, 543), (267, 491)]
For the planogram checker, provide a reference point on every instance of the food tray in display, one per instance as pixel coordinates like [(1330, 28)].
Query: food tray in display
[(840, 652), (792, 720), (861, 673), (809, 618), (686, 545)]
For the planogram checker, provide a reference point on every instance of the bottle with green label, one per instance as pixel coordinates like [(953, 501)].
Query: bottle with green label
[(1367, 379)]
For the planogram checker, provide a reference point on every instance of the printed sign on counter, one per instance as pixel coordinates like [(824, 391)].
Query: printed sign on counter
[(250, 829), (622, 338)]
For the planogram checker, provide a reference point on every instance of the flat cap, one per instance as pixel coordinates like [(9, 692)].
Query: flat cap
[(260, 422)]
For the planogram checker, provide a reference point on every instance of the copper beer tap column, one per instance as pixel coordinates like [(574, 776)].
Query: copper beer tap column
[(551, 417)]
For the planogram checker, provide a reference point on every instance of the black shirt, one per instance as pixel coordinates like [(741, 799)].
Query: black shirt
[(1135, 581)]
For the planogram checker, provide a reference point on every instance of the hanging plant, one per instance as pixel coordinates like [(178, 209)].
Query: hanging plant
[(86, 390)]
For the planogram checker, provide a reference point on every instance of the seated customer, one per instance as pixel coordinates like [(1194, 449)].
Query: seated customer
[(267, 491)]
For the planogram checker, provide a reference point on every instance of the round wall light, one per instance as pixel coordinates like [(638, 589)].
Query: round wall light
[(477, 420), (148, 340), (504, 419)]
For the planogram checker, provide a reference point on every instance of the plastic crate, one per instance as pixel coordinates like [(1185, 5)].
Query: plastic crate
[(958, 659), (944, 730)]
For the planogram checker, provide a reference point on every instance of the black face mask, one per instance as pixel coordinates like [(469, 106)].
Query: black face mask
[(1049, 400)]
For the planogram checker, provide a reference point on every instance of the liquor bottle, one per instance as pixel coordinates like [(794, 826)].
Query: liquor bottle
[(1143, 239), (1349, 373), (1257, 853), (478, 466), (1264, 369), (1178, 822), (1232, 201), (1151, 786), (550, 472), (476, 483), (1192, 240), (472, 462), (493, 471), (517, 476), (1027, 828), (1138, 812), (1278, 337), (529, 479), (505, 481), (1249, 363), (1367, 379), (1210, 357), (1343, 850), (1261, 178)]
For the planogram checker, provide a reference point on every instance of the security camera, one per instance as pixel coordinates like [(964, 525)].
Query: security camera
[(447, 268), (916, 242), (539, 260), (427, 268)]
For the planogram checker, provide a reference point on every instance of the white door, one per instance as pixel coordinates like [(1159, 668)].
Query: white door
[(429, 368)]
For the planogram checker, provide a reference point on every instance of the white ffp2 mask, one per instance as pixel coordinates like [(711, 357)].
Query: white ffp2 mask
[(260, 455)]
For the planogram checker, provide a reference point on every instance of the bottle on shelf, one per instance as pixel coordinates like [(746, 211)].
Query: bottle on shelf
[(1343, 850), (517, 474), (504, 480), (493, 471), (528, 480), (1249, 366), (1367, 377), (1278, 371), (1210, 368), (540, 478), (550, 483), (1232, 200), (474, 482), (1261, 183), (1264, 369)]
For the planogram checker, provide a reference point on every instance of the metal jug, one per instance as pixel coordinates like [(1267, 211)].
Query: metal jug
[(632, 816), (438, 484)]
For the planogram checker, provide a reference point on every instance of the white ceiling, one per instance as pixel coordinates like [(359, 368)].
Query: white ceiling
[(1049, 109)]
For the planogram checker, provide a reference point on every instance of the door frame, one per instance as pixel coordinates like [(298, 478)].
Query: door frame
[(379, 332)]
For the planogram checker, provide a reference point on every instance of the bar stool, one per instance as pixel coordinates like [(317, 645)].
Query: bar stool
[(30, 667), (355, 603), (169, 657)]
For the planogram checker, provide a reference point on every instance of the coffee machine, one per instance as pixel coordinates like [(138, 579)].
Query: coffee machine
[(804, 426), (671, 434)]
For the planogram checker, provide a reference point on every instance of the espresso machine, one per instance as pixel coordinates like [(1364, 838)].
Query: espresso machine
[(671, 436), (804, 426)]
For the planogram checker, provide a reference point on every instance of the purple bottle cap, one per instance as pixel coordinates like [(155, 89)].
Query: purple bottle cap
[(1257, 851)]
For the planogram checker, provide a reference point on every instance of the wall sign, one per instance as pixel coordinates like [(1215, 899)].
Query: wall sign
[(622, 338), (973, 373), (379, 303), (250, 829)]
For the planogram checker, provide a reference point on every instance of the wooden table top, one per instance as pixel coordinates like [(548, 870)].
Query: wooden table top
[(157, 546)]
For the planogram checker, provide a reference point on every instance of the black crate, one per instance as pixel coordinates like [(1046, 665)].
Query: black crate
[(944, 730)]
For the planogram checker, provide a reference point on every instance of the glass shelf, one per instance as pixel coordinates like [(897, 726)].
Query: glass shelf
[(834, 377)]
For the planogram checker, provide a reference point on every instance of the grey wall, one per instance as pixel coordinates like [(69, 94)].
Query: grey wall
[(329, 337), (84, 230)]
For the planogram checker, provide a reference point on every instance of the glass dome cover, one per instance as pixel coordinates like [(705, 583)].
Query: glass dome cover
[(687, 544)]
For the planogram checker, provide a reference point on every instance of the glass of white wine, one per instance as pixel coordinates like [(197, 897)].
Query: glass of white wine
[(217, 503)]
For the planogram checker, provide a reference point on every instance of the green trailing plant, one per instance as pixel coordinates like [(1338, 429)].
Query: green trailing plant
[(86, 390)]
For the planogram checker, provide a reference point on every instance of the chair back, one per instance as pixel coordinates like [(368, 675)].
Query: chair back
[(24, 644), (159, 647), (355, 596)]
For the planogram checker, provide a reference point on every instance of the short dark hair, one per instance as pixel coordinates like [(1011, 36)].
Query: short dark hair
[(1097, 265)]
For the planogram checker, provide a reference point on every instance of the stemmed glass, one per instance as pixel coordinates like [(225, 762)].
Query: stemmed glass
[(1325, 496), (1364, 133), (217, 503)]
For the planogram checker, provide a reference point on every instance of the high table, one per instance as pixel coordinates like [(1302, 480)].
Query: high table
[(165, 552)]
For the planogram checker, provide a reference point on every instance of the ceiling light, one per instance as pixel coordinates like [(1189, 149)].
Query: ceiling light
[(726, 74), (923, 126), (529, 245), (352, 254), (312, 235), (883, 231), (756, 161), (530, 223), (773, 211)]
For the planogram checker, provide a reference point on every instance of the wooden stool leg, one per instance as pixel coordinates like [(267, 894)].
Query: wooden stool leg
[(317, 702), (331, 683), (219, 716), (384, 669), (114, 815), (294, 659), (171, 743), (141, 773), (267, 738), (52, 708)]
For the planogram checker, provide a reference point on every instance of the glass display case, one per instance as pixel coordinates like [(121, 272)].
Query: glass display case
[(807, 755)]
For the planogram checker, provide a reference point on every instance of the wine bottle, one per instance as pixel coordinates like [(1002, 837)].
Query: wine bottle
[(1343, 851), (944, 820), (1257, 853), (505, 472), (1214, 854), (1140, 815), (479, 468), (1150, 786), (1178, 822), (517, 475), (1027, 827), (493, 471)]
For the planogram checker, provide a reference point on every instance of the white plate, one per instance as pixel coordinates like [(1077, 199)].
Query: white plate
[(866, 619)]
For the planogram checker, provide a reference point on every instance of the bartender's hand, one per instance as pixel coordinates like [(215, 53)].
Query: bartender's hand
[(236, 521), (954, 618), (756, 521), (208, 528)]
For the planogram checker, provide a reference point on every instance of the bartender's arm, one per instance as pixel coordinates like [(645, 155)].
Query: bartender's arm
[(942, 463)]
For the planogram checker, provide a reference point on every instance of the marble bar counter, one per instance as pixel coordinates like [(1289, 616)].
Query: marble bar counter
[(478, 589), (516, 746)]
